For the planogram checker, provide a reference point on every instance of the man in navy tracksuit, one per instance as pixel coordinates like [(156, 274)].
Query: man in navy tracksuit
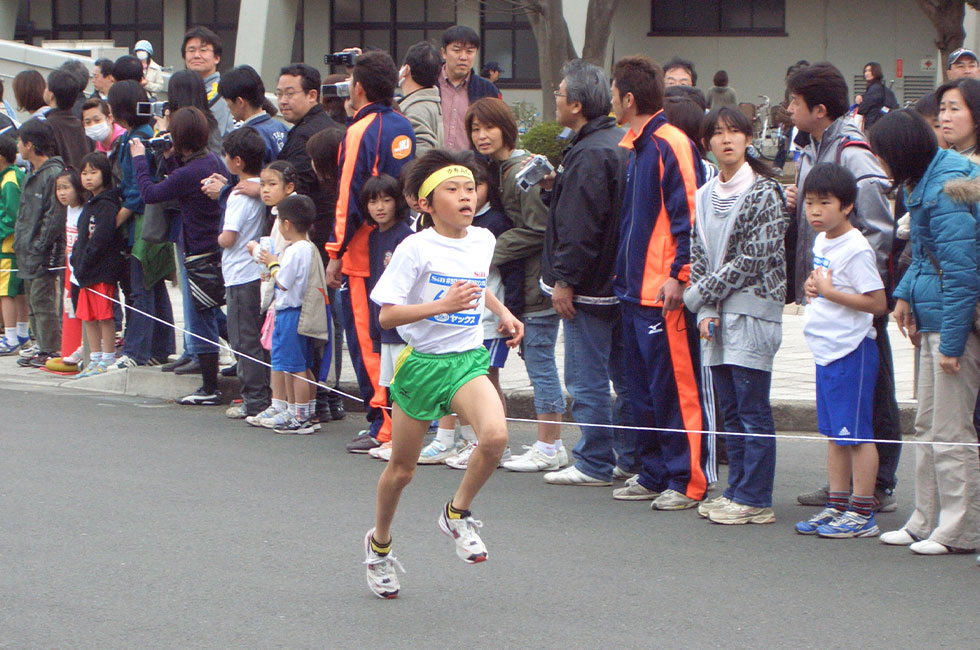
[(652, 269), (379, 140)]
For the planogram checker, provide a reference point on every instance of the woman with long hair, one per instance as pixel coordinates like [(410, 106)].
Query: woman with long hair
[(737, 291), (936, 304)]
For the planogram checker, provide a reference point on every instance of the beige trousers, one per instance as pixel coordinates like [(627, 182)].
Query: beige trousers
[(947, 478)]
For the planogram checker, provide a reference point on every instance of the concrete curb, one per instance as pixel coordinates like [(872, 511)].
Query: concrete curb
[(789, 415)]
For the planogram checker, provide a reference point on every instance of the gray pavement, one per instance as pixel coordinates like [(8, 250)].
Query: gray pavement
[(130, 522)]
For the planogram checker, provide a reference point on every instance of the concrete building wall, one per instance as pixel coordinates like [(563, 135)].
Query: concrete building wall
[(847, 33)]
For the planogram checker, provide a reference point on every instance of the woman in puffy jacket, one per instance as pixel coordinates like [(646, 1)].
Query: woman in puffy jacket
[(936, 303)]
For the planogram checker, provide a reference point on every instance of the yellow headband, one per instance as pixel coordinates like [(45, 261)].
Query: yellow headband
[(437, 177)]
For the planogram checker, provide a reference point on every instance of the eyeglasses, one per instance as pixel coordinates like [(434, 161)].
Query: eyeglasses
[(198, 50), (558, 94), (288, 94)]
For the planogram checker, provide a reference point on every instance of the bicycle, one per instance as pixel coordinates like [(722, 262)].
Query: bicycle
[(766, 136)]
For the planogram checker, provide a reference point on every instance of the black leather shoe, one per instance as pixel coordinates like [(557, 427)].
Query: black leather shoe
[(192, 367), (230, 371), (337, 412), (170, 366)]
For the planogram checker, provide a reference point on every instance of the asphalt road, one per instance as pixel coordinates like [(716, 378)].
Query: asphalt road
[(133, 523)]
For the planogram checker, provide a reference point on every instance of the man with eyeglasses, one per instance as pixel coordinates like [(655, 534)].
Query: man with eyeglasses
[(202, 54)]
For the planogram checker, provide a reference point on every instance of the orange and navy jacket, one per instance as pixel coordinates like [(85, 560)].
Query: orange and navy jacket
[(663, 174), (379, 140)]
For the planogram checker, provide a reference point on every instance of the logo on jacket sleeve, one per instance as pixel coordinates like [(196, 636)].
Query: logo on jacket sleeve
[(401, 147)]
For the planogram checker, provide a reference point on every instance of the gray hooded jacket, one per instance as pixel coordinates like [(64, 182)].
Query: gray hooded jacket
[(423, 108), (871, 215)]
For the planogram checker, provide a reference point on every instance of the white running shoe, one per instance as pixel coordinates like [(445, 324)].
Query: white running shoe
[(562, 456), (572, 475), (256, 420), (381, 575), (435, 453), (462, 459), (376, 452), (75, 358), (469, 546), (533, 460), (623, 475)]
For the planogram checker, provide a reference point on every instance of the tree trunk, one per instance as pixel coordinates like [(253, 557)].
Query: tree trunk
[(554, 48), (598, 28), (947, 17)]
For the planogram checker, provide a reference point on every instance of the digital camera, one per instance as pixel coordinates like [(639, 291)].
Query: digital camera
[(341, 89), (340, 58), (161, 142), (533, 172), (151, 109)]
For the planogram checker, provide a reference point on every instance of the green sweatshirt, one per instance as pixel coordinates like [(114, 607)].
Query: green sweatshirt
[(11, 178)]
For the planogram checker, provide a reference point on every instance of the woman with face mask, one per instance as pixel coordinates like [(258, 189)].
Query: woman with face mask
[(152, 72), (99, 126)]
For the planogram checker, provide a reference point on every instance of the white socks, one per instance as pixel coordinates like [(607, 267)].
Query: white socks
[(279, 404), (548, 449), (445, 437), (23, 330)]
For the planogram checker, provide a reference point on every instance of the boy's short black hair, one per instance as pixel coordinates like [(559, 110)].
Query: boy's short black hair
[(8, 149), (905, 142), (481, 172), (425, 63), (688, 66), (39, 134), (123, 99), (382, 185), (298, 210), (127, 68), (242, 81), (309, 77), (247, 144), (643, 78), (98, 160), (64, 86), (460, 34), (829, 179), (688, 92), (377, 74), (205, 35), (821, 83)]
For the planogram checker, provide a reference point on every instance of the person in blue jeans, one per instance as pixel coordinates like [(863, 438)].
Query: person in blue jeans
[(737, 290), (577, 271), (493, 132)]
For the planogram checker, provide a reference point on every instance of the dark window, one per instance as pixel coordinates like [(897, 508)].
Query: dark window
[(718, 18), (123, 21), (393, 27), (508, 40)]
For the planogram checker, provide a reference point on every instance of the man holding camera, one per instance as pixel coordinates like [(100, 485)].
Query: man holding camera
[(379, 140), (421, 103), (459, 86)]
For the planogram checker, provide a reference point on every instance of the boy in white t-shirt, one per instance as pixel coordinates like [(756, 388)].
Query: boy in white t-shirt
[(844, 291), (242, 223), (433, 291)]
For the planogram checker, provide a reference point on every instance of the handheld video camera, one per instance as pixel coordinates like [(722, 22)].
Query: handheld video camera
[(533, 172), (161, 142), (151, 109), (340, 89), (340, 58)]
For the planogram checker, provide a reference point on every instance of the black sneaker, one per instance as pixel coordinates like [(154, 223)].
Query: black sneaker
[(201, 397), (37, 361), (295, 426), (363, 443), (337, 412), (230, 371)]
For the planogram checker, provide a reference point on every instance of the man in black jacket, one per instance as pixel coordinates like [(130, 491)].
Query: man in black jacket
[(577, 270), (298, 93)]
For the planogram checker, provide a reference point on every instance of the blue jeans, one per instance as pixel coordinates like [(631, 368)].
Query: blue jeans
[(593, 356), (743, 395), (145, 337), (540, 334)]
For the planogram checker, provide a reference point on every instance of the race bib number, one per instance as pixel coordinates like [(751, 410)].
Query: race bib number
[(436, 288)]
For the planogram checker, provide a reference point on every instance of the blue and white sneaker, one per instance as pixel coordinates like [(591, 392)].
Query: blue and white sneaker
[(822, 518), (8, 347), (256, 420), (92, 370), (850, 524), (435, 453)]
